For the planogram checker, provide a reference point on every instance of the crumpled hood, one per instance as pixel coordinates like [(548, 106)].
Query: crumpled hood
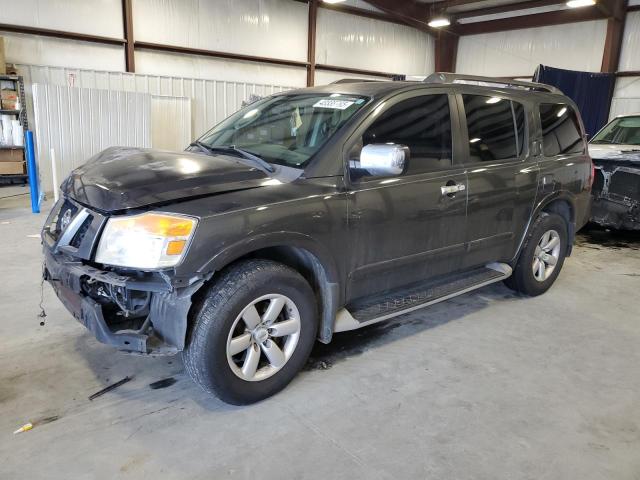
[(614, 152), (122, 178)]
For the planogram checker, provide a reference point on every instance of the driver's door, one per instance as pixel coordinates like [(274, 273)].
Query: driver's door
[(405, 229)]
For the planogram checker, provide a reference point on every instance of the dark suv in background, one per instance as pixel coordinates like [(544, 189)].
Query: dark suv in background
[(316, 211)]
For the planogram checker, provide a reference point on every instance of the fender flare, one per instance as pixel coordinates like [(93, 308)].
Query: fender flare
[(329, 295), (539, 207)]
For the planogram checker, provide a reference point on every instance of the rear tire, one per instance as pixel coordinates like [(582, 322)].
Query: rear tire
[(542, 256), (252, 333)]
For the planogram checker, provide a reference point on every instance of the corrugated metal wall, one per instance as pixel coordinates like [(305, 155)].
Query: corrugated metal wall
[(80, 122), (170, 122), (211, 100)]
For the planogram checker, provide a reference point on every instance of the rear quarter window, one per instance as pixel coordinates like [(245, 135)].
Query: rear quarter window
[(561, 132)]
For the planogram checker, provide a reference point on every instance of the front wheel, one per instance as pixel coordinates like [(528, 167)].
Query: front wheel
[(542, 256), (253, 332)]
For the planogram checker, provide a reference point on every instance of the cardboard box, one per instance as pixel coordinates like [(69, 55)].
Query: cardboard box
[(9, 104), (6, 94), (3, 68), (12, 168), (11, 155)]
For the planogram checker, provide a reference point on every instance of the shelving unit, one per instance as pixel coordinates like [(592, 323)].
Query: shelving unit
[(21, 116)]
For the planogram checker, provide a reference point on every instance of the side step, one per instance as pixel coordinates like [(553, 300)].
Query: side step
[(382, 307)]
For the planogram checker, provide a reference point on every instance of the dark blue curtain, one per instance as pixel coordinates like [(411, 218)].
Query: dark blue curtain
[(591, 92)]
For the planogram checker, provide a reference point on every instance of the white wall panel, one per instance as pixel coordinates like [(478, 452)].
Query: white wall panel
[(266, 28), (358, 42), (575, 46), (170, 122), (626, 96), (64, 53), (630, 54), (80, 122), (196, 66), (211, 100), (97, 17)]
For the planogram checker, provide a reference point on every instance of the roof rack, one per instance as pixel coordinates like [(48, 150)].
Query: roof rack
[(352, 80), (441, 77)]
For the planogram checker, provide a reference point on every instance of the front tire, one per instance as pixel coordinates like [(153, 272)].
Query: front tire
[(542, 256), (252, 333)]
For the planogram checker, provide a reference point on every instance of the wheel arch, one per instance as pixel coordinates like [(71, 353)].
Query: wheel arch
[(303, 254), (560, 203)]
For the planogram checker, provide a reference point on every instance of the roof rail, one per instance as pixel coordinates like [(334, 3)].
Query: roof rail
[(441, 77), (352, 80)]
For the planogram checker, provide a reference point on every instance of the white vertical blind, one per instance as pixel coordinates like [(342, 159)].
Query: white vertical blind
[(574, 46), (350, 41)]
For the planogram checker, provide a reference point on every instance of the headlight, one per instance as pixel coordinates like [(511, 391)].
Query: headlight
[(149, 240)]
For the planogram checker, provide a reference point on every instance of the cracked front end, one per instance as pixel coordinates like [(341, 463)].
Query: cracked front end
[(137, 310), (616, 195)]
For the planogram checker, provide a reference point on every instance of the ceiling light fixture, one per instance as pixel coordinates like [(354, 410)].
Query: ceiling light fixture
[(580, 3), (333, 1), (439, 22)]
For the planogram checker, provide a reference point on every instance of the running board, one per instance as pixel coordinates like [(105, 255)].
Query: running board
[(382, 307)]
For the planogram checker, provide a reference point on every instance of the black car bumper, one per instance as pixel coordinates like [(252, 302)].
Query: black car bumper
[(67, 278), (159, 323)]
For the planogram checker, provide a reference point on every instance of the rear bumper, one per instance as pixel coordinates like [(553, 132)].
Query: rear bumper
[(163, 333)]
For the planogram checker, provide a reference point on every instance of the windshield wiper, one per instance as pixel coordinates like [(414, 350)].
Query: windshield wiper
[(233, 149)]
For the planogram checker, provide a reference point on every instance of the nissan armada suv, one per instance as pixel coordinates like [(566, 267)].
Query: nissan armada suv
[(317, 211)]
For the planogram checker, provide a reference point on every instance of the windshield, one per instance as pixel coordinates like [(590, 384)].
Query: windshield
[(624, 131), (285, 129)]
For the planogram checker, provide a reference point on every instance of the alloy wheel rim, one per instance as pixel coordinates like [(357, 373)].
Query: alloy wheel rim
[(546, 255), (263, 337)]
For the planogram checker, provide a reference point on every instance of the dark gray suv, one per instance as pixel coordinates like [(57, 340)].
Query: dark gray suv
[(317, 211)]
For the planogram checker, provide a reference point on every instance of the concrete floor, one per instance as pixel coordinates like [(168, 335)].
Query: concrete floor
[(485, 386)]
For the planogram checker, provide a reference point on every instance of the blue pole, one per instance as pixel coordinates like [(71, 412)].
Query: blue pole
[(32, 171)]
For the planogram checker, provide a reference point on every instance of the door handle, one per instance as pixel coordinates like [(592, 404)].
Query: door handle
[(452, 189)]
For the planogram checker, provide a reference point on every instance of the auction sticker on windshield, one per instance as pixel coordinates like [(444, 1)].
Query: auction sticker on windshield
[(334, 104)]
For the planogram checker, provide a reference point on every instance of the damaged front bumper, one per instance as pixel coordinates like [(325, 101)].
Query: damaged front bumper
[(137, 312), (616, 197)]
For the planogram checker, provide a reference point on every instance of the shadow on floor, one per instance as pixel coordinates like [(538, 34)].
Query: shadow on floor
[(347, 344), (595, 237)]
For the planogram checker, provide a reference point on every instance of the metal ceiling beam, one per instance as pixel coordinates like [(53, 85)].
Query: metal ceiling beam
[(46, 32), (531, 21), (311, 42), (410, 12), (127, 28), (613, 39), (512, 7)]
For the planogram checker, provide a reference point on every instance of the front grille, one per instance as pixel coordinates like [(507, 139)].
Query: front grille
[(598, 181), (82, 231), (67, 206), (625, 184)]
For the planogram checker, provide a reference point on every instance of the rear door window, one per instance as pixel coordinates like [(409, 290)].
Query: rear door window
[(561, 132), (496, 127)]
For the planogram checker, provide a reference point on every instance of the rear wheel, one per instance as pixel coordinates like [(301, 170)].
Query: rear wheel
[(542, 256), (253, 332)]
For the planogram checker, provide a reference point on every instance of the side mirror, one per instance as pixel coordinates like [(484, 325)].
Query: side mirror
[(383, 160)]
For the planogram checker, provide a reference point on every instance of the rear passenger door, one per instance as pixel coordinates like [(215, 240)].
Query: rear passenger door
[(501, 182)]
